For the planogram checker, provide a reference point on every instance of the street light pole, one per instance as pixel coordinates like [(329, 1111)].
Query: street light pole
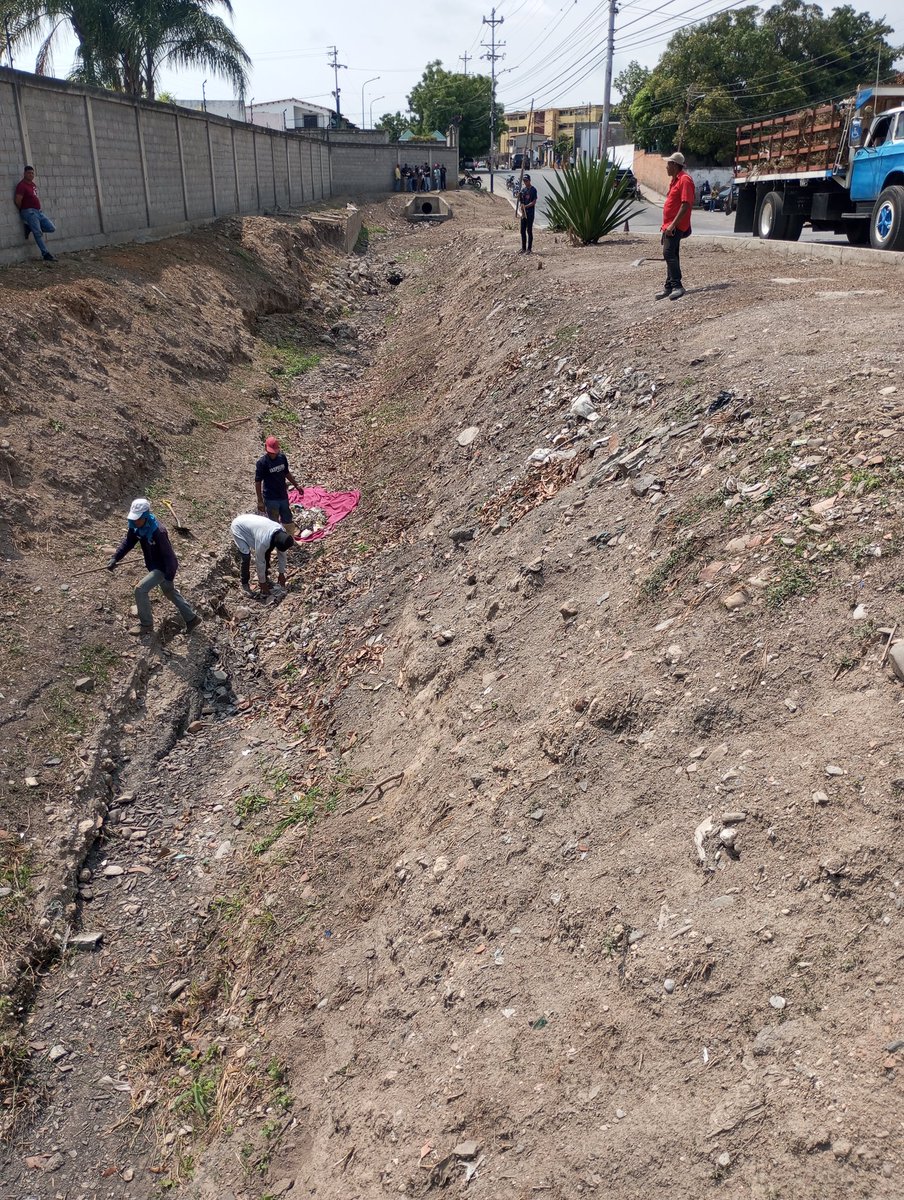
[(204, 95), (363, 86), (372, 103)]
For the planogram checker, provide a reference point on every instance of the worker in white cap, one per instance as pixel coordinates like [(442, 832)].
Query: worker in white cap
[(159, 558)]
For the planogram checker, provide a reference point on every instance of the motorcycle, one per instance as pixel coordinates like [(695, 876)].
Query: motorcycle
[(511, 183), (470, 179)]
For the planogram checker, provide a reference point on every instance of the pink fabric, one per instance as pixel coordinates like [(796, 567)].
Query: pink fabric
[(336, 505)]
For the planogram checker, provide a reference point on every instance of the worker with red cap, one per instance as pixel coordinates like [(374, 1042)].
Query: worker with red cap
[(271, 476)]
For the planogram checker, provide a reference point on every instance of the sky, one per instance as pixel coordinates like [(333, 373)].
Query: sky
[(554, 49)]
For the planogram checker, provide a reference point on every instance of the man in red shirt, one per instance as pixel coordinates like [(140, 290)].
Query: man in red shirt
[(28, 202), (676, 224)]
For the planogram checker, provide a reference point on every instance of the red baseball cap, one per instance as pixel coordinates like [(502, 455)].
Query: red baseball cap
[(272, 444)]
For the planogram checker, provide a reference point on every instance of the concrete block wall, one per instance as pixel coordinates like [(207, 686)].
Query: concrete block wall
[(11, 164), (58, 144), (361, 167), (121, 172), (161, 150), (249, 200), (109, 169)]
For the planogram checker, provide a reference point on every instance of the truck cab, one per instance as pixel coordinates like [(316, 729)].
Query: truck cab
[(879, 162)]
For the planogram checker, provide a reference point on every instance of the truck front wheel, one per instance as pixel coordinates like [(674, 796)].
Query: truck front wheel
[(771, 221), (886, 226)]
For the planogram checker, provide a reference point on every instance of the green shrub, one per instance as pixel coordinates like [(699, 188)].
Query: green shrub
[(588, 202)]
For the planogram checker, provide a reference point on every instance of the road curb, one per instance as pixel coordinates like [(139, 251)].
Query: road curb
[(863, 255)]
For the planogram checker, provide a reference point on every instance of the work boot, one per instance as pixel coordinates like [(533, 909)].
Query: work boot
[(49, 258), (193, 623), (140, 631), (664, 294), (677, 293)]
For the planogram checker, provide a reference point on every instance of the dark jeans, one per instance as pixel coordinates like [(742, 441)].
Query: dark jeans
[(278, 510), (671, 249), (245, 569), (527, 229)]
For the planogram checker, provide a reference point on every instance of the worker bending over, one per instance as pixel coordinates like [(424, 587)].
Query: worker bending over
[(257, 535)]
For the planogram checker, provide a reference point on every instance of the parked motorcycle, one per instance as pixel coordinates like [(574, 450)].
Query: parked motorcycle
[(470, 179)]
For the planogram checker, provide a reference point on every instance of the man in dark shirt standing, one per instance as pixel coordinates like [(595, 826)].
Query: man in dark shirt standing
[(28, 202), (270, 478), (527, 199)]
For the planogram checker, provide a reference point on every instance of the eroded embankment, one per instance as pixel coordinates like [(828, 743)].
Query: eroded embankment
[(556, 853), (152, 372)]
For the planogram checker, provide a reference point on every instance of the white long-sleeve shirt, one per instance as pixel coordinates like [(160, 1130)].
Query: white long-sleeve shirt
[(252, 534)]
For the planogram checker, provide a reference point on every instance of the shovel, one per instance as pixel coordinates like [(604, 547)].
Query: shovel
[(181, 529)]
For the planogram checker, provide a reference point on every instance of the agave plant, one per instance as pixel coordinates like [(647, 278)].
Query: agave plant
[(589, 201)]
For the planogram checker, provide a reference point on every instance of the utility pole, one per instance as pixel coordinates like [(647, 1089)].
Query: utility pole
[(337, 67), (465, 58), (492, 56), (607, 89)]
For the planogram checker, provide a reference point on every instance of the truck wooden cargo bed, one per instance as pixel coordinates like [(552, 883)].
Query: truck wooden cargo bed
[(808, 140)]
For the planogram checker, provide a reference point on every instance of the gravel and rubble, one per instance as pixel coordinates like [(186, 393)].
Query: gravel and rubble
[(542, 838)]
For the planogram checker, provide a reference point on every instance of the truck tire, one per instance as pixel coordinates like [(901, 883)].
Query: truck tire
[(793, 228), (771, 218), (886, 225)]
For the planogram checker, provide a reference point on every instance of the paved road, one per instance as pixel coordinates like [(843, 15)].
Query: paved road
[(649, 219)]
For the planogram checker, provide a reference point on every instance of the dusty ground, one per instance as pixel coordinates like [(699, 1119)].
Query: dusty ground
[(520, 864)]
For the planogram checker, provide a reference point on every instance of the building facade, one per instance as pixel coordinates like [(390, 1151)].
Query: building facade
[(548, 126)]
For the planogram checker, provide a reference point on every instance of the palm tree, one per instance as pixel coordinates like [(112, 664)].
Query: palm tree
[(123, 44)]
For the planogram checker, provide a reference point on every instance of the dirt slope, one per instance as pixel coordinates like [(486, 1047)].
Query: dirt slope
[(559, 859)]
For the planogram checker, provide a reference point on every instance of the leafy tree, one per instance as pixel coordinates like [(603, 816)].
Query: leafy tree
[(443, 97), (394, 124), (564, 147), (123, 44), (751, 62), (588, 202), (628, 83)]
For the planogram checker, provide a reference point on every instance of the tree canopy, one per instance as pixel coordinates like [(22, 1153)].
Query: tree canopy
[(748, 63), (122, 44), (441, 97), (394, 124)]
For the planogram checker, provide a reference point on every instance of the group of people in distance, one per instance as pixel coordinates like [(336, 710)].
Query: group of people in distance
[(422, 178), (256, 535)]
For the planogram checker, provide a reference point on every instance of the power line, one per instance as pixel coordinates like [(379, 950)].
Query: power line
[(573, 69), (890, 78), (739, 91)]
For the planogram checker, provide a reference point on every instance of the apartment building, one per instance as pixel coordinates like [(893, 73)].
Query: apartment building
[(548, 126)]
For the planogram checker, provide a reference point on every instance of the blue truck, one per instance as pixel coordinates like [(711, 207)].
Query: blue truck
[(837, 167)]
